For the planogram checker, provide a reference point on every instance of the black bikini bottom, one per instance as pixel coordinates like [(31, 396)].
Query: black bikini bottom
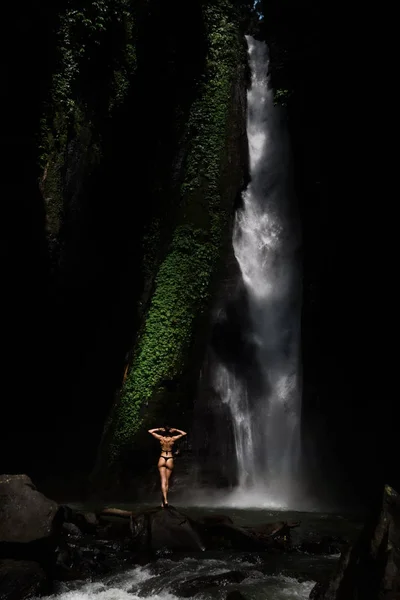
[(166, 458)]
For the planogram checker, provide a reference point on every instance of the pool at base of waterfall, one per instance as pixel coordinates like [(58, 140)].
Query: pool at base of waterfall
[(162, 580), (213, 575)]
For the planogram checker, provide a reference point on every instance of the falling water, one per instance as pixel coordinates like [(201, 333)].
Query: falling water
[(265, 240)]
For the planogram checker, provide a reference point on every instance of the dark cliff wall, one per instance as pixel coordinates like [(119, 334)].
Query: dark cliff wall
[(27, 64), (317, 67), (98, 157)]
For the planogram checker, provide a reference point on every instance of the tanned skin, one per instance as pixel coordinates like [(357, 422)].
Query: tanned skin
[(167, 437)]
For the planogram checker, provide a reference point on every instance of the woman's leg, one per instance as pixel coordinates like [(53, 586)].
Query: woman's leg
[(168, 473), (163, 480)]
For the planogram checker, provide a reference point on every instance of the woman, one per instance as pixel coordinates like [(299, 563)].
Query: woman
[(166, 460)]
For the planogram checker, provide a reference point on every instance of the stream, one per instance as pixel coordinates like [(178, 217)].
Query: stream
[(213, 574)]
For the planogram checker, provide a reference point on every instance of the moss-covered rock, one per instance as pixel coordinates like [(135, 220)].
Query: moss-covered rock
[(184, 282)]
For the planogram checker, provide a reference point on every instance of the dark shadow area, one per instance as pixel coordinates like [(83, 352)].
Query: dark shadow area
[(349, 424), (66, 333), (69, 330), (27, 61)]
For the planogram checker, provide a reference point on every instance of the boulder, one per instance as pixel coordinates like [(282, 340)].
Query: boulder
[(370, 568), (74, 562), (274, 535), (224, 536), (215, 520), (21, 579), (261, 537), (30, 523), (87, 522), (72, 530), (173, 530), (162, 528), (235, 595), (324, 544)]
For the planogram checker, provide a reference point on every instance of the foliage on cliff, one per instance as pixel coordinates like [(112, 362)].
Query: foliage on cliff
[(94, 66), (182, 284)]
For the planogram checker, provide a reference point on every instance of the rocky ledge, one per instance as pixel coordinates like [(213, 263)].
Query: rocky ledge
[(369, 569), (43, 543)]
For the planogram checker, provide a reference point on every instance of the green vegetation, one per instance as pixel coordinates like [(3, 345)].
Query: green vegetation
[(182, 284), (84, 29), (87, 86), (282, 97)]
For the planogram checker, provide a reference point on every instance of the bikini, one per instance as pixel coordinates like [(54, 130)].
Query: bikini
[(166, 458)]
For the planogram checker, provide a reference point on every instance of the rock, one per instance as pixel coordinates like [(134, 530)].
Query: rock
[(67, 544), (21, 579), (322, 545), (29, 522), (64, 559), (195, 585), (174, 530), (165, 529), (67, 512), (230, 537), (26, 515), (330, 589), (72, 530), (272, 529), (141, 531), (74, 563), (257, 538), (370, 568), (90, 518), (318, 588), (116, 530), (87, 522), (216, 520), (235, 595)]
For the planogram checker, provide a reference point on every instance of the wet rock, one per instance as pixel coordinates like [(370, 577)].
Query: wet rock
[(115, 530), (81, 562), (67, 512), (235, 595), (317, 590), (29, 522), (230, 537), (370, 568), (259, 538), (64, 559), (20, 579), (141, 531), (174, 530), (322, 545), (252, 558), (216, 520), (276, 535), (26, 515), (166, 529), (87, 522), (90, 518), (199, 584), (72, 530)]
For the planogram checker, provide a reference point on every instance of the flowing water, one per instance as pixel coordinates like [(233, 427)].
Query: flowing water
[(276, 576), (266, 422), (152, 583)]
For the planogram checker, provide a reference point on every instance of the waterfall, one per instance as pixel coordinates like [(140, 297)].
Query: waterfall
[(266, 417)]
